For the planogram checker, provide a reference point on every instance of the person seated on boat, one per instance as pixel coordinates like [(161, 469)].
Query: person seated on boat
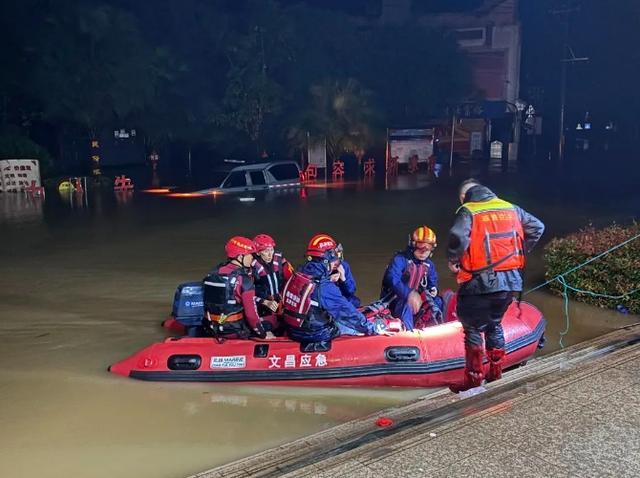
[(314, 308), (270, 271), (229, 295), (346, 282), (410, 282)]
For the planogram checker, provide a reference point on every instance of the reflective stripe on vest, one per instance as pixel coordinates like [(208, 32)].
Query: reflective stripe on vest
[(496, 239), (215, 284), (222, 293), (223, 285), (269, 274)]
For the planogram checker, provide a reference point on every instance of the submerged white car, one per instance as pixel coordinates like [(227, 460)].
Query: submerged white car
[(259, 177)]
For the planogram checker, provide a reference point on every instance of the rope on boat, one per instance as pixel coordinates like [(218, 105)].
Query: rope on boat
[(566, 287)]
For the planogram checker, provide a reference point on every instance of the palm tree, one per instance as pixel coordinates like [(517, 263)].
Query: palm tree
[(340, 112)]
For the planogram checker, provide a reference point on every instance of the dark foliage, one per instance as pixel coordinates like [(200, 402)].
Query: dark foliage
[(614, 274)]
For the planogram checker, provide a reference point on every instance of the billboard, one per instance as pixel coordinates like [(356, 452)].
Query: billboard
[(317, 154), (404, 143), (18, 174)]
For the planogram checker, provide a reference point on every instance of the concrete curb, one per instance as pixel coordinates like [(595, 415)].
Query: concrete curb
[(337, 445)]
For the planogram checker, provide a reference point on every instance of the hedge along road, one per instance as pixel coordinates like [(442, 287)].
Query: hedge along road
[(81, 288)]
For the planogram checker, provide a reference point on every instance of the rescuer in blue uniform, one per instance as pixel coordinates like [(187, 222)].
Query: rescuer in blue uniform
[(314, 308), (346, 282), (411, 282)]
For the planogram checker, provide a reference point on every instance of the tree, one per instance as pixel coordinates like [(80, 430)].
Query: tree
[(91, 66), (17, 23), (340, 112), (414, 70), (189, 39), (260, 54)]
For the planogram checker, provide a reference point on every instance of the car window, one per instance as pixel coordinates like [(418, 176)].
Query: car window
[(257, 178), (235, 180), (285, 172)]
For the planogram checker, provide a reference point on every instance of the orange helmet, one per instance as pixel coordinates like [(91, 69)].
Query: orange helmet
[(421, 237), (321, 245), (238, 245), (262, 241)]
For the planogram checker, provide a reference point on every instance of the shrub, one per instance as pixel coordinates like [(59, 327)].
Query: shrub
[(613, 274), (14, 145)]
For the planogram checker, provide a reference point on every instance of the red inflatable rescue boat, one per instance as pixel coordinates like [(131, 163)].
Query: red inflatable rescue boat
[(432, 357)]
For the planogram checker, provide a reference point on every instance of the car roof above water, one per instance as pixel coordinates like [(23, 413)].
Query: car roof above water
[(260, 166)]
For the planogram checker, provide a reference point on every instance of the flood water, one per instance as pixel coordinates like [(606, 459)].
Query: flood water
[(83, 287)]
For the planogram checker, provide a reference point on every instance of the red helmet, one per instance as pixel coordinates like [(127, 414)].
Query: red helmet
[(238, 245), (321, 245), (422, 236), (262, 241)]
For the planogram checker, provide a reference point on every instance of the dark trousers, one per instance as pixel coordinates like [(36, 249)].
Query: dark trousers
[(483, 314)]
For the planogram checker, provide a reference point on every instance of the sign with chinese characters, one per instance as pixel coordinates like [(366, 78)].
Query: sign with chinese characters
[(124, 134), (233, 361), (483, 109), (297, 361), (19, 174), (317, 154), (475, 144), (95, 157), (407, 143), (496, 150)]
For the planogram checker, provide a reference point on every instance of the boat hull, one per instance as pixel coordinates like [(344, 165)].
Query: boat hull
[(433, 357)]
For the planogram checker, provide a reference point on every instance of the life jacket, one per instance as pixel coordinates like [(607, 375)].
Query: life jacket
[(415, 275), (301, 307), (268, 277), (221, 293), (496, 240)]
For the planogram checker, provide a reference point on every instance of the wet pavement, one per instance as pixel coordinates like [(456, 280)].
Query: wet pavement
[(575, 413)]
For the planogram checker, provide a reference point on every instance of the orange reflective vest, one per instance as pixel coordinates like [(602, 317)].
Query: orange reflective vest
[(496, 240)]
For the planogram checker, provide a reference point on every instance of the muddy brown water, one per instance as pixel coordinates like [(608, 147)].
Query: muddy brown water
[(83, 287)]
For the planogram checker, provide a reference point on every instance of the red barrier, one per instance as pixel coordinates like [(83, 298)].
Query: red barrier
[(311, 172), (392, 166), (122, 183), (338, 169), (370, 168), (34, 190), (413, 164), (431, 164)]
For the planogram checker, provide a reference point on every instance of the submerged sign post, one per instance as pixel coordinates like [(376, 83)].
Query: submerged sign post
[(317, 154), (19, 174)]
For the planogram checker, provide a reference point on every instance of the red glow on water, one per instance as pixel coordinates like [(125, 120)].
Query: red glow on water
[(157, 190), (336, 185), (186, 195)]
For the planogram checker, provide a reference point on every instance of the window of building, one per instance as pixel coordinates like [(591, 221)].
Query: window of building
[(471, 36)]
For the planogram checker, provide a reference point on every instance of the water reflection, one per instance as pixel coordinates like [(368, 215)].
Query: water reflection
[(83, 288), (123, 197), (17, 208), (406, 182)]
